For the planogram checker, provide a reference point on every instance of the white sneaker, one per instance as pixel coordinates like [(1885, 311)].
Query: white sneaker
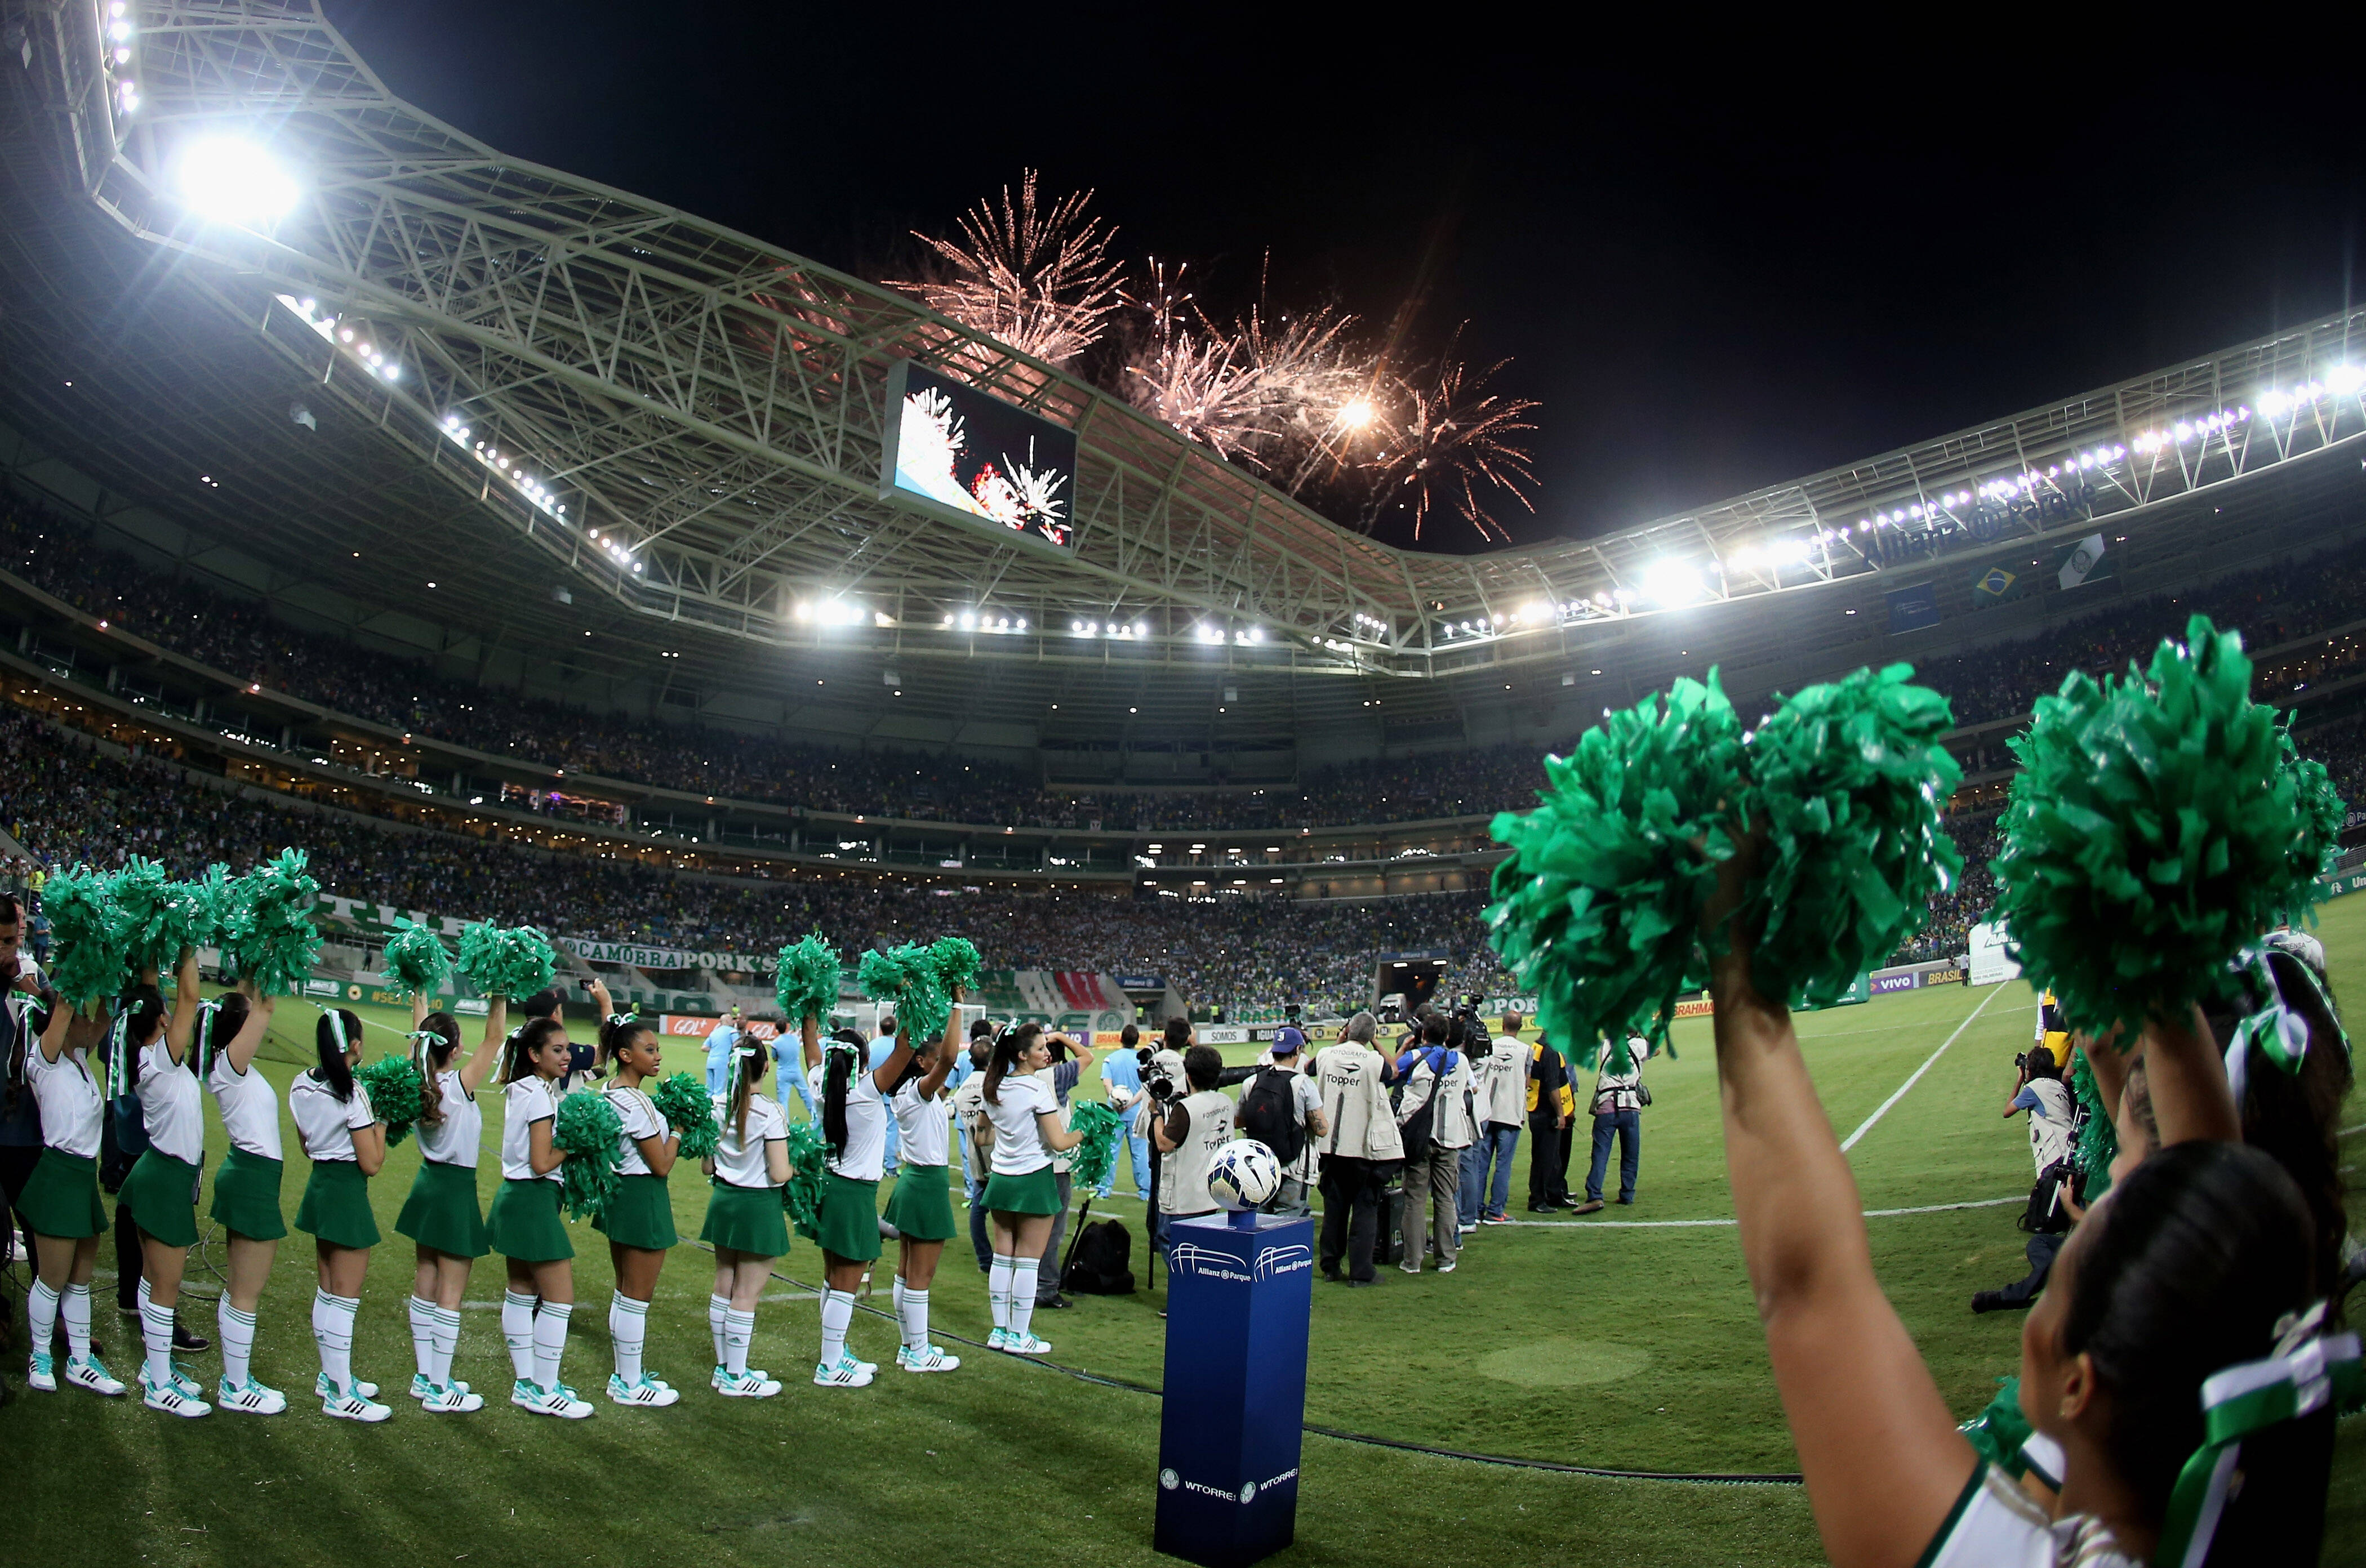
[(848, 1373), (352, 1405), (323, 1389), (1408, 1268), (250, 1398), (927, 1358), (1447, 1267), (452, 1399), (751, 1384), (537, 1400), (1026, 1345), (174, 1396), (1466, 1230), (90, 1373), (994, 1341), (421, 1389), (642, 1393), (41, 1373)]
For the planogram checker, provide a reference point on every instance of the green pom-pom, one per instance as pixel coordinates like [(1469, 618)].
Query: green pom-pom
[(802, 1195), (195, 914), (586, 1129), (2153, 831), (957, 963), (269, 931), (1999, 1431), (905, 978), (2098, 1140), (88, 927), (416, 961), (1597, 909), (514, 961), (1847, 780), (682, 1100), (397, 1093), (806, 979), (2322, 812), (143, 898), (1101, 1125)]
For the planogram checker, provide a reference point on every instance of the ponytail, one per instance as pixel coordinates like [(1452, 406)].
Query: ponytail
[(139, 1014), (1007, 1047), (518, 1050), (746, 1067), (218, 1022), (840, 1060), (433, 1045), (331, 1038), (617, 1034)]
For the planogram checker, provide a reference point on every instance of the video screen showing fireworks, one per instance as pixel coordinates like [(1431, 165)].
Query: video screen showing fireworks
[(976, 455)]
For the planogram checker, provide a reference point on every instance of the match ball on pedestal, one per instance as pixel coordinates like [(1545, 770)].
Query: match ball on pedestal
[(1243, 1174)]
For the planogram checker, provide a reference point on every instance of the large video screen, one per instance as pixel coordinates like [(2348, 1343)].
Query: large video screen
[(976, 455)]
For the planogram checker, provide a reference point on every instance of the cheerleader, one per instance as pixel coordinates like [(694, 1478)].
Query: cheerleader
[(1021, 1197), (440, 1215), (854, 1119), (638, 1221), (346, 1144), (59, 1202), (526, 1228), (225, 1034), (161, 1192), (744, 1220), (920, 1209)]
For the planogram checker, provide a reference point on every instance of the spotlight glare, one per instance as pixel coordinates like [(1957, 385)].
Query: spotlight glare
[(233, 181)]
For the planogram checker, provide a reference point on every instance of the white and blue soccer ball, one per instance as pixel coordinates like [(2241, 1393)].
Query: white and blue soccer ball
[(1244, 1174)]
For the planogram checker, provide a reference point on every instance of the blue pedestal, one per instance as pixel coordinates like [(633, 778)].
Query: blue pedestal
[(1238, 1299)]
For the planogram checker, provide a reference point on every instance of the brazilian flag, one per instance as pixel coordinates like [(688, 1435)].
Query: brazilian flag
[(1992, 586)]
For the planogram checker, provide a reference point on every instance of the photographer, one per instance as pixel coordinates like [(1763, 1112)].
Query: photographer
[(2041, 1092), (1282, 1109), (1618, 1102), (1188, 1136), (1435, 1126), (1360, 1138), (1502, 1106)]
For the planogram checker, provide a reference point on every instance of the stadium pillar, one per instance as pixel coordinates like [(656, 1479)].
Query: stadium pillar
[(1239, 1296)]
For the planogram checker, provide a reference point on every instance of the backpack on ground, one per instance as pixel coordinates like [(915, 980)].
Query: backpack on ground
[(1270, 1115), (1100, 1263)]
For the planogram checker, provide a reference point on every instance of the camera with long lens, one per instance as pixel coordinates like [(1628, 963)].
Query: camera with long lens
[(1156, 1083)]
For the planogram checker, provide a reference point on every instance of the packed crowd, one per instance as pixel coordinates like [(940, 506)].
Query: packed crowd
[(2273, 605)]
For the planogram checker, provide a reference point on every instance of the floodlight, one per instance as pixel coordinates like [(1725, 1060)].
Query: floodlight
[(1671, 582), (2344, 378), (233, 181)]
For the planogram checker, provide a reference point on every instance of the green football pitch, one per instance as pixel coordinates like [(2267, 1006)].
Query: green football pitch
[(1626, 1341)]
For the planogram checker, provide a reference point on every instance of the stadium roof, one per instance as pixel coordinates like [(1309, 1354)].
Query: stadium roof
[(689, 426)]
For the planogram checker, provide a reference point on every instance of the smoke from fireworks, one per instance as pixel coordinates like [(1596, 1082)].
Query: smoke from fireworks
[(1038, 278)]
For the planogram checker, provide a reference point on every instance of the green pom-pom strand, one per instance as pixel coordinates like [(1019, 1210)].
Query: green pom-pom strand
[(269, 931), (1100, 1124), (2098, 1140), (957, 963), (88, 927), (513, 962), (682, 1100), (2322, 812), (1846, 780), (802, 1194), (806, 979), (142, 895), (2153, 831), (417, 964), (1596, 910), (906, 978), (1999, 1431), (586, 1128), (397, 1093)]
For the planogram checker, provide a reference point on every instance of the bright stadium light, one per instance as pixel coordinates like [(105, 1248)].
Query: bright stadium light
[(233, 181), (1671, 582), (2344, 379)]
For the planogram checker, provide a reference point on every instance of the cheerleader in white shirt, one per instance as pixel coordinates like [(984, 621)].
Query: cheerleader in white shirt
[(346, 1143), (855, 1118), (1021, 1197), (160, 1194), (224, 1035), (638, 1222), (440, 1215), (526, 1228), (745, 1224), (60, 1201), (921, 1209)]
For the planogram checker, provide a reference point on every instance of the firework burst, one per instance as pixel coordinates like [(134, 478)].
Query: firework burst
[(1039, 278), (1451, 442)]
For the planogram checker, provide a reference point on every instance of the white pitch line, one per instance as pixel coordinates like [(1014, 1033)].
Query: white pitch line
[(1866, 1125), (1695, 1224), (2360, 1127)]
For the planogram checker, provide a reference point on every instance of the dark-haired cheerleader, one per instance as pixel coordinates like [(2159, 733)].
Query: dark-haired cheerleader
[(440, 1215), (346, 1143)]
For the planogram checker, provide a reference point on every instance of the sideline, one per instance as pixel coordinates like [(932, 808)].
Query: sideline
[(1695, 1224), (1866, 1125)]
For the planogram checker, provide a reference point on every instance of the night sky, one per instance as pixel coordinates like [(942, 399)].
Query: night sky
[(1711, 282)]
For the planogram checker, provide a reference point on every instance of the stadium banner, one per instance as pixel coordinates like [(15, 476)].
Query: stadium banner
[(2335, 884), (1859, 990), (2082, 563), (1912, 608), (1139, 982), (1496, 1006), (697, 1026), (1991, 960), (1221, 1033), (1914, 977), (1698, 1007), (1992, 587)]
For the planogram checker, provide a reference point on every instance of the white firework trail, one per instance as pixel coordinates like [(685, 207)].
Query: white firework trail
[(1039, 278)]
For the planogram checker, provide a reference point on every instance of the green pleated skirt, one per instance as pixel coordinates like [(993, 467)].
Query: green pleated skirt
[(745, 1219), (441, 1213), (850, 1217), (246, 1196), (921, 1207), (1037, 1192), (640, 1215), (336, 1206), (525, 1223), (161, 1193), (61, 1197)]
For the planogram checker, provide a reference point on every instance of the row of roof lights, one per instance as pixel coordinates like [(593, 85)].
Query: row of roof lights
[(1122, 629), (985, 622), (337, 335), (119, 34)]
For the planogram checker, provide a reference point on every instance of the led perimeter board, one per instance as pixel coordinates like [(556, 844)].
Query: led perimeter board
[(955, 449)]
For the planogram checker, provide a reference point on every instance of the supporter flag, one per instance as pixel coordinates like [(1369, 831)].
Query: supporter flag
[(1992, 585), (2083, 562)]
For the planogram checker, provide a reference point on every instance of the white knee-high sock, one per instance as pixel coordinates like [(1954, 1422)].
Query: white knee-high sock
[(628, 1327), (446, 1340), (42, 1315), (237, 1330), (837, 1312), (915, 1319), (156, 1333), (423, 1337), (74, 1307), (550, 1341), (739, 1333), (1022, 1293), (517, 1329), (333, 1331), (998, 1289), (718, 1314), (898, 1293)]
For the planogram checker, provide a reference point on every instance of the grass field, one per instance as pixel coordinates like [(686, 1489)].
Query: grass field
[(1620, 1344)]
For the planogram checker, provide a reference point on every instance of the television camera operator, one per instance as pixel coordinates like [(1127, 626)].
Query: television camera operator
[(1167, 1086)]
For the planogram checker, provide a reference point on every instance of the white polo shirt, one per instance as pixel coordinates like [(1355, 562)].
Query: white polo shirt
[(172, 1107), (529, 1099), (325, 1125)]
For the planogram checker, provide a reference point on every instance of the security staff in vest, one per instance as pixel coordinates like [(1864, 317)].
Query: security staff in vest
[(1618, 1102), (1361, 1139), (1196, 1125)]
